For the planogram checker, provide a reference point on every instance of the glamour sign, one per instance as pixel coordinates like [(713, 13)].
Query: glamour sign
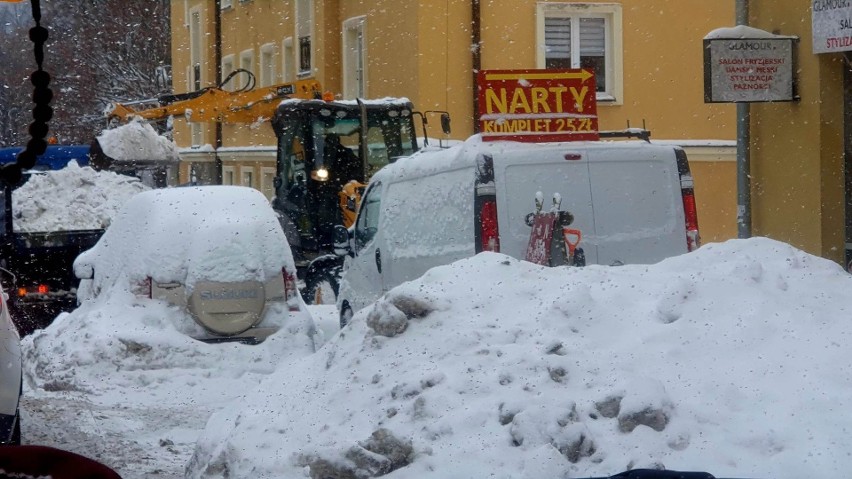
[(832, 25), (745, 64)]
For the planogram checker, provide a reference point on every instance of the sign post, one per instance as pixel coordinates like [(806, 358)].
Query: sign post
[(537, 105)]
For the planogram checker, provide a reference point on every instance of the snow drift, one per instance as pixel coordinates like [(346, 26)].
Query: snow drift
[(731, 359)]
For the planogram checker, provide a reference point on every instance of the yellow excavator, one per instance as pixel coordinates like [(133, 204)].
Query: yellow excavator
[(216, 104)]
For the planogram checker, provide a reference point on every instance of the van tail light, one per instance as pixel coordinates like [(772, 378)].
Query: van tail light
[(687, 193), (291, 291), (690, 213), (490, 239), (485, 204)]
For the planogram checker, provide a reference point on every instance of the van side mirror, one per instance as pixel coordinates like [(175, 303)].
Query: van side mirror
[(445, 123), (342, 245)]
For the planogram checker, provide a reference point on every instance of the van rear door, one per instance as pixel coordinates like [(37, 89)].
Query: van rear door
[(637, 204), (520, 173)]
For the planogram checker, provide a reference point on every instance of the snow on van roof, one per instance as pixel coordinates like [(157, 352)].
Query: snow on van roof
[(463, 154), (187, 234), (72, 198)]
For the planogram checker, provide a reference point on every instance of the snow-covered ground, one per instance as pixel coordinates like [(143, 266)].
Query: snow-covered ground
[(730, 359)]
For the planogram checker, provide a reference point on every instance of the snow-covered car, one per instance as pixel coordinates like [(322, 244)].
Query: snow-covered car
[(216, 252), (10, 377)]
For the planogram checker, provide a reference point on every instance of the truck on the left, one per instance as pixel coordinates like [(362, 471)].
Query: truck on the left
[(36, 257)]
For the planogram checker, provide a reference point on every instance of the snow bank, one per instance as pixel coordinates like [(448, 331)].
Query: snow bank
[(731, 359), (73, 198)]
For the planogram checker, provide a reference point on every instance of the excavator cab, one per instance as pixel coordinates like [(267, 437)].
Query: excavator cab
[(322, 146)]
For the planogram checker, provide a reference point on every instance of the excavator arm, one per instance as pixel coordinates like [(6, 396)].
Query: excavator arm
[(214, 104)]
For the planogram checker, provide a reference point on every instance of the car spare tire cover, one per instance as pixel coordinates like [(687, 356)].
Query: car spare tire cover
[(227, 308)]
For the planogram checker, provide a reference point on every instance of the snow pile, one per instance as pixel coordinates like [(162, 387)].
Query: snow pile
[(137, 140), (731, 359), (214, 233), (73, 198), (122, 381)]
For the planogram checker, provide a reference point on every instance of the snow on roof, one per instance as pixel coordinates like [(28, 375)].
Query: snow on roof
[(187, 234), (137, 140), (730, 360), (742, 32), (73, 198)]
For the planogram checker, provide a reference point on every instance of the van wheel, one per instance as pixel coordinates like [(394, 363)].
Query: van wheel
[(345, 315)]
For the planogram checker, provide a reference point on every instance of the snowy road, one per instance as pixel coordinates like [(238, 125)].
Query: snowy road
[(136, 438)]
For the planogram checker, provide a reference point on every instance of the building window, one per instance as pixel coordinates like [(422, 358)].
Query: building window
[(227, 69), (246, 63), (226, 4), (267, 64), (267, 181), (227, 175), (354, 56), (196, 57), (304, 26), (247, 179), (583, 35), (288, 56)]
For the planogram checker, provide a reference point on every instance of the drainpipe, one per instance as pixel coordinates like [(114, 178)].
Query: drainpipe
[(217, 57), (743, 149), (476, 46)]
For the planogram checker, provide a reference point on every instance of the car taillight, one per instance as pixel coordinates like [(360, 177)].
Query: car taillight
[(690, 213), (147, 287), (488, 226), (290, 290), (36, 289)]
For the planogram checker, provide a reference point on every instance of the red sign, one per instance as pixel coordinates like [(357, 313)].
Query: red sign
[(537, 105)]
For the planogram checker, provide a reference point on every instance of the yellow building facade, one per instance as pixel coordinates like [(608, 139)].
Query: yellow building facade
[(800, 151), (647, 55)]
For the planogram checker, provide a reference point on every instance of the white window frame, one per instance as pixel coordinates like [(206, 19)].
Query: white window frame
[(288, 58), (228, 62), (246, 60), (352, 87), (228, 174), (226, 4), (266, 65), (304, 8), (613, 93)]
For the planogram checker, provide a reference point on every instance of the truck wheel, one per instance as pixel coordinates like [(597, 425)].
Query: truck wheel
[(15, 440), (321, 285), (345, 315)]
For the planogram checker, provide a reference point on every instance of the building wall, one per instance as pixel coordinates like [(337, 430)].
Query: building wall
[(422, 50), (797, 147)]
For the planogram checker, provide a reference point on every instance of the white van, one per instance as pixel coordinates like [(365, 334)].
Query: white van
[(632, 200)]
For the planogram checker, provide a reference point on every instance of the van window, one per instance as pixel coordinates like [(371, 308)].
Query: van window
[(368, 216)]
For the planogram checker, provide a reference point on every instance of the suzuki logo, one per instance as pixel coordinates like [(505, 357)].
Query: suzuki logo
[(227, 294)]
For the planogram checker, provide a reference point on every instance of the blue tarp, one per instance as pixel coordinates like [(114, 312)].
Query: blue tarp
[(55, 158)]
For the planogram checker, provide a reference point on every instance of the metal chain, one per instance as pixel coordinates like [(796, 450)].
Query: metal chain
[(42, 112)]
